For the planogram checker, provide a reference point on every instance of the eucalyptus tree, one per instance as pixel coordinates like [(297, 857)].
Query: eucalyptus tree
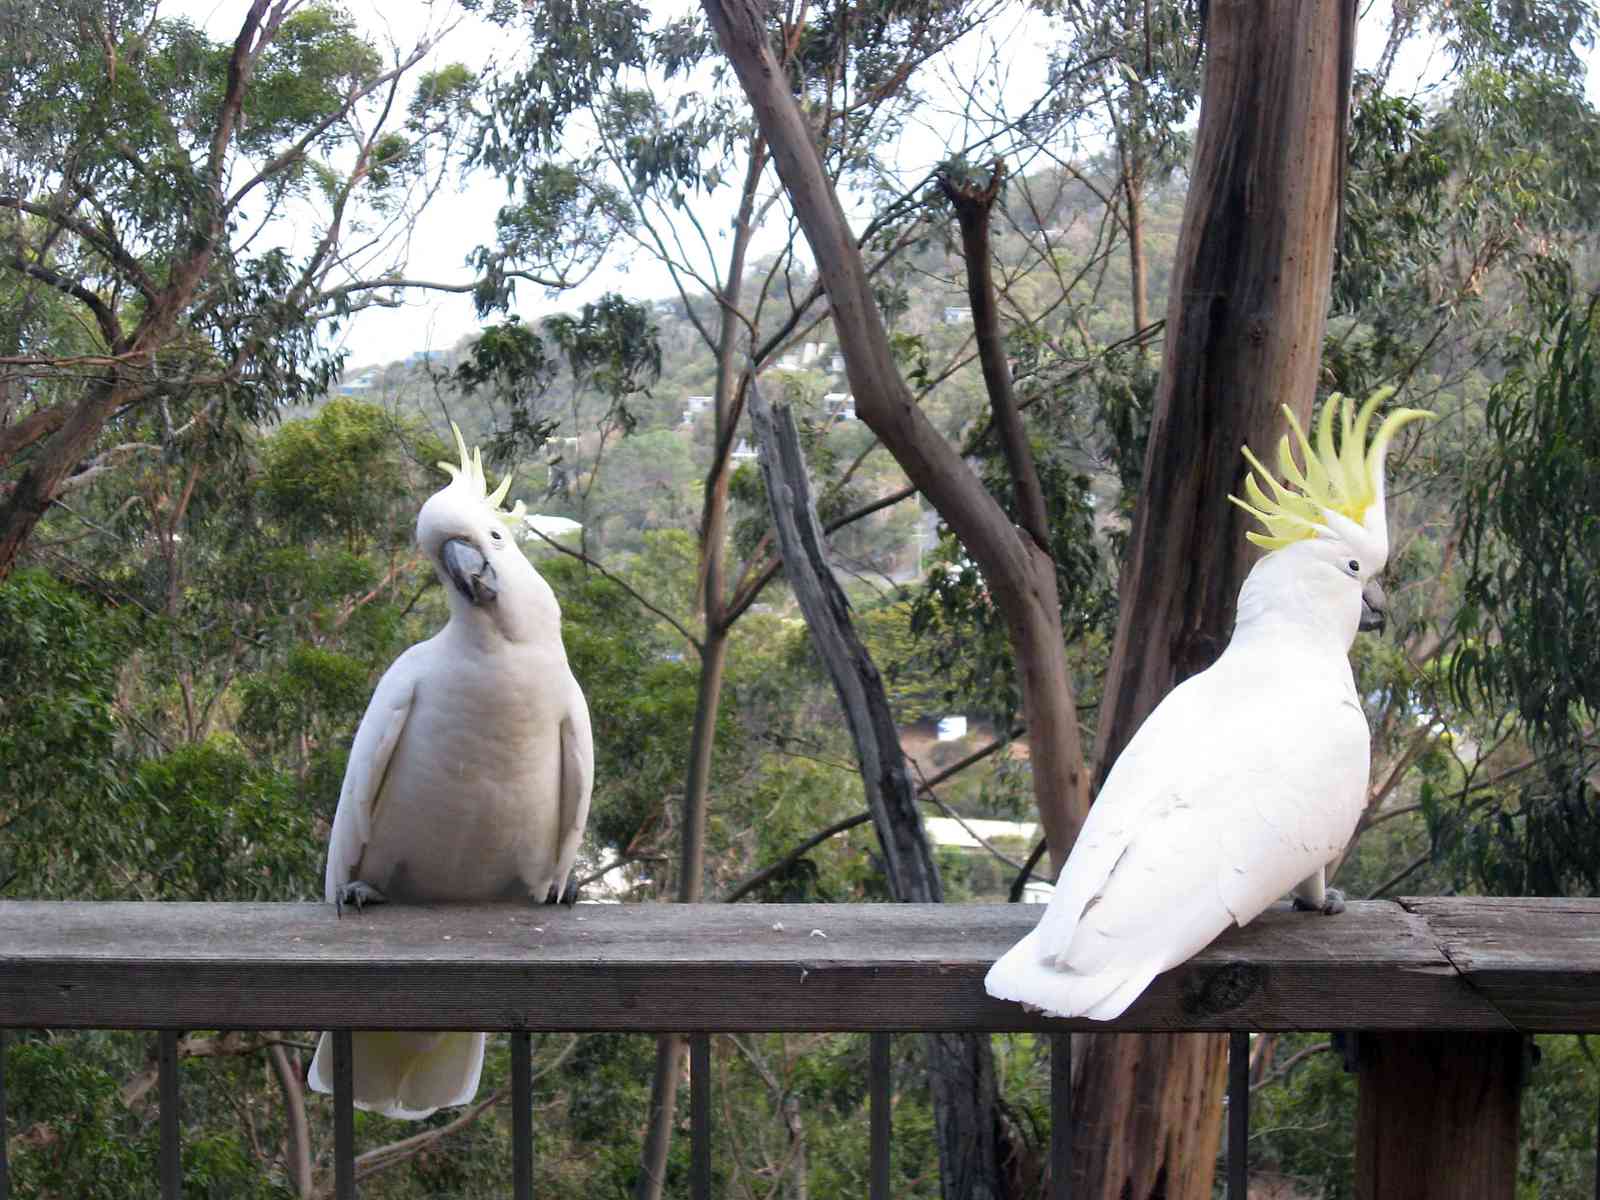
[(157, 190)]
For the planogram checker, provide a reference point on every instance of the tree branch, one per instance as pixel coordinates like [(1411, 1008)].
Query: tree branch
[(297, 1149), (104, 318), (973, 204), (101, 242), (622, 583)]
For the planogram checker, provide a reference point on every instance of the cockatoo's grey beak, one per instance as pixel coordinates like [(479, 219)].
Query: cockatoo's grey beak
[(1374, 608), (470, 572)]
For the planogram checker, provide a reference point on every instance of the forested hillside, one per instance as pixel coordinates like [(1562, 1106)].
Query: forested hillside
[(207, 517)]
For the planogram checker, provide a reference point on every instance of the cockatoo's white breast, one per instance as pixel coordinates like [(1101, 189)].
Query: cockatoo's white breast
[(470, 804)]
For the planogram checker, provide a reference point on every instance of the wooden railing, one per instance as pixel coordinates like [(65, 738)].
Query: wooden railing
[(1443, 990)]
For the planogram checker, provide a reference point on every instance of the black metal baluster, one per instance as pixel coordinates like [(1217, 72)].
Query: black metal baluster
[(700, 1116), (5, 1166), (1238, 1116), (522, 1116), (878, 1084), (1060, 1116), (344, 1117), (171, 1152)]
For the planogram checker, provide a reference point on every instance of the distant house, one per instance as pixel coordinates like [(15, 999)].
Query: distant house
[(957, 316), (840, 406), (964, 834), (553, 527), (696, 406), (1037, 891), (743, 453), (836, 365), (360, 384)]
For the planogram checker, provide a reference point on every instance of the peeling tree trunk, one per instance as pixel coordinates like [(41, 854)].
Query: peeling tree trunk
[(960, 1067), (1245, 324)]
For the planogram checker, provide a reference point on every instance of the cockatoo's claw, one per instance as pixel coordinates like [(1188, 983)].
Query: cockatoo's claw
[(567, 896), (357, 893), (1332, 903)]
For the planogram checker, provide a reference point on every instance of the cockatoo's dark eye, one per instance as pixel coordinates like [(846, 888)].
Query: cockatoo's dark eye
[(495, 534), (1355, 567)]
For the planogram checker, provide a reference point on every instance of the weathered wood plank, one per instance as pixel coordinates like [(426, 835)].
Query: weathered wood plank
[(686, 968), (1437, 1116), (1535, 959)]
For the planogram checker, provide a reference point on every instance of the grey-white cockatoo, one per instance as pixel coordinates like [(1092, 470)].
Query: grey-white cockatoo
[(1248, 778), (469, 776)]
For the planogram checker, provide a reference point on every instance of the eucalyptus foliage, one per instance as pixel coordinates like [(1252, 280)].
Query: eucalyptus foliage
[(1532, 612)]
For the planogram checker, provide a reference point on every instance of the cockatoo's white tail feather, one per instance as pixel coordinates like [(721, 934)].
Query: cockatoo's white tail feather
[(1129, 988), (406, 1075), (1029, 976)]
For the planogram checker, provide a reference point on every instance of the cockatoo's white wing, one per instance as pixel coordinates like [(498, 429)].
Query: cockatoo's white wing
[(577, 781), (1218, 806), (376, 737), (404, 1075)]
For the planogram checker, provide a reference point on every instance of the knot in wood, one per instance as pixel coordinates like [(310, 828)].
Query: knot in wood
[(1210, 990)]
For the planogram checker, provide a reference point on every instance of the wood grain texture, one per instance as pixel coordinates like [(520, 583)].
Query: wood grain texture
[(1528, 965), (1437, 1116), (1535, 959)]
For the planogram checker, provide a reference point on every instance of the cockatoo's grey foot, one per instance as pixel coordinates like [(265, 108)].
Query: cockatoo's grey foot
[(1332, 903), (357, 893), (568, 895)]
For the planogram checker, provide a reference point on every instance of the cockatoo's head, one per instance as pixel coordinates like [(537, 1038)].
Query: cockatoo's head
[(1325, 526), (472, 543)]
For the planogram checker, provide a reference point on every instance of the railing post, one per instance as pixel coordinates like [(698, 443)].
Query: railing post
[(700, 1116), (344, 1116), (1238, 1116), (1060, 1116), (522, 1115), (878, 1116), (1437, 1115), (171, 1151), (5, 1166)]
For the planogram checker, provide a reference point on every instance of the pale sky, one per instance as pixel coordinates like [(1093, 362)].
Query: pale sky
[(460, 218)]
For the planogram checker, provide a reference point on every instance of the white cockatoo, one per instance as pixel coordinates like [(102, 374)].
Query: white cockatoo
[(469, 776), (1248, 778)]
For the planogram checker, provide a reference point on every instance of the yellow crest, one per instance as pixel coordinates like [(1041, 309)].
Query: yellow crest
[(1347, 480), (470, 476)]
